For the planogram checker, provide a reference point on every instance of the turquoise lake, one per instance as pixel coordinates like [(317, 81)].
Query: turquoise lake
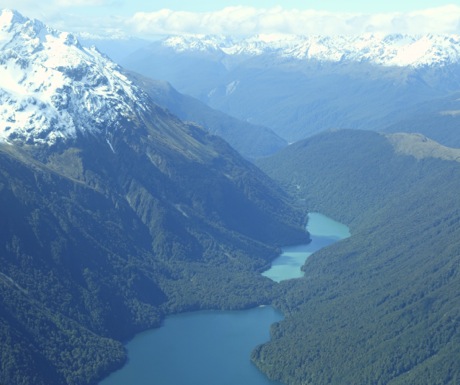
[(199, 348), (214, 347), (323, 230)]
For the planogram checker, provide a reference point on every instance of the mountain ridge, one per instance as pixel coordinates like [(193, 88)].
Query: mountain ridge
[(387, 50), (420, 147)]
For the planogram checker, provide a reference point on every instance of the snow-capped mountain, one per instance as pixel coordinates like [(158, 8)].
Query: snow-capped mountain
[(51, 87), (298, 86), (387, 50)]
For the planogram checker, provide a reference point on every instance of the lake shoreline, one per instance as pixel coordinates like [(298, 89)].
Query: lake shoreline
[(207, 321)]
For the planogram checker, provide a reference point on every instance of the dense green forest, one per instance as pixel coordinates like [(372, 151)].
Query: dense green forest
[(99, 242), (426, 118), (381, 307), (114, 213)]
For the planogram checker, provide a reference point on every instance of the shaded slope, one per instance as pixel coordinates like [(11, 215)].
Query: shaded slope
[(252, 141)]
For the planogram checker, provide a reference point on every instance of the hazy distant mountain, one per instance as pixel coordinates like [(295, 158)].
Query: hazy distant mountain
[(301, 85), (113, 212), (117, 48), (250, 140), (387, 298)]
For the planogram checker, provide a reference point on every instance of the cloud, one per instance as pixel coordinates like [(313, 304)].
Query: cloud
[(243, 20), (103, 17), (80, 3), (96, 17), (30, 8)]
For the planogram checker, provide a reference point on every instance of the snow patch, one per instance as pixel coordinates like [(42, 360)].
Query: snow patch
[(110, 145), (231, 87)]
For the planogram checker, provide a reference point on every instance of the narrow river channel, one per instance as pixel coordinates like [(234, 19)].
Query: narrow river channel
[(213, 347)]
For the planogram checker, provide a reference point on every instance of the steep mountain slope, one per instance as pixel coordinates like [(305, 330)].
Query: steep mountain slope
[(27, 96), (298, 86), (381, 307), (250, 140), (52, 88), (113, 212)]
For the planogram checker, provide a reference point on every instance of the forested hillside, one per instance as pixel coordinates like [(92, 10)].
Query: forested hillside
[(382, 307), (101, 241), (438, 119), (113, 212)]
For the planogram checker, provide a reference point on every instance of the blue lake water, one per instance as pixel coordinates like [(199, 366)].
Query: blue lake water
[(214, 347), (323, 230), (199, 348)]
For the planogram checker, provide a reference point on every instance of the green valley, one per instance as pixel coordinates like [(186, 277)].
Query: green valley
[(124, 201), (381, 307)]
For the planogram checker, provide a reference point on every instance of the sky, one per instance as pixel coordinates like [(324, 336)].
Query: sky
[(151, 18)]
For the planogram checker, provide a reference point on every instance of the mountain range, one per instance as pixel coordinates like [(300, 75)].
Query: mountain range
[(387, 50), (311, 84), (114, 213)]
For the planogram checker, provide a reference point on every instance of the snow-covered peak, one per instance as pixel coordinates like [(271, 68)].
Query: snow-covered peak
[(191, 42), (51, 87), (387, 50)]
